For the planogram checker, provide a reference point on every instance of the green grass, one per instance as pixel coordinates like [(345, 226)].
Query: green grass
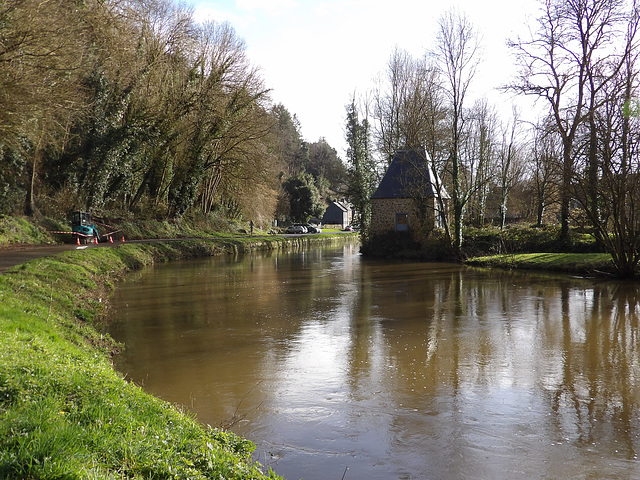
[(523, 239), (580, 263), (64, 412), (17, 230)]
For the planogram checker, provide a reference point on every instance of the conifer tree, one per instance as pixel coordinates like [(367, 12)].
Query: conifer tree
[(362, 170)]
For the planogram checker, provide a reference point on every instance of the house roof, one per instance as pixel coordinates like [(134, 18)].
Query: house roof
[(409, 176), (336, 212), (340, 205)]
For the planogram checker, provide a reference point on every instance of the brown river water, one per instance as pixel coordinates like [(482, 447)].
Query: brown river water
[(339, 367)]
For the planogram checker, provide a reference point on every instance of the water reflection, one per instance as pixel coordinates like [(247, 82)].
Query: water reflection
[(405, 370)]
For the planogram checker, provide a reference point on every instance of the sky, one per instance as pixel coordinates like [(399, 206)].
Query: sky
[(315, 54)]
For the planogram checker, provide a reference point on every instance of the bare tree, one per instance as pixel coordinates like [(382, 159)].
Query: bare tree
[(228, 123), (544, 169), (478, 158), (405, 103), (458, 55), (510, 164), (387, 104), (559, 64), (614, 210)]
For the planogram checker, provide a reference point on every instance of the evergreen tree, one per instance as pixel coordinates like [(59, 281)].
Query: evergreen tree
[(304, 197), (362, 170), (327, 168)]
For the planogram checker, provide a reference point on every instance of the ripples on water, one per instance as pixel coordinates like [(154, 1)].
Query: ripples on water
[(393, 370)]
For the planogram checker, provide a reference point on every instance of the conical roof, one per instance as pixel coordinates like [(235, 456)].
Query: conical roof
[(409, 176)]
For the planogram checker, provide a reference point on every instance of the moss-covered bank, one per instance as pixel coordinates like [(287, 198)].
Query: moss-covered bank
[(64, 411)]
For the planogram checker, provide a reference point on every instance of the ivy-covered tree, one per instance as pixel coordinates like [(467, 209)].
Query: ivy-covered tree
[(178, 117), (40, 70), (12, 165), (124, 106), (362, 170)]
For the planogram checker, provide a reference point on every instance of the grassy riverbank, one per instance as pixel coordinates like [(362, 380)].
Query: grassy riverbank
[(575, 263), (64, 411), (541, 249)]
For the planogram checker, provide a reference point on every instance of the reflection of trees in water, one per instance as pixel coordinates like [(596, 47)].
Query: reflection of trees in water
[(458, 334), (444, 362), (597, 392)]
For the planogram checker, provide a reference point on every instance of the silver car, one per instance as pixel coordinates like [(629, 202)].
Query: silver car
[(296, 229)]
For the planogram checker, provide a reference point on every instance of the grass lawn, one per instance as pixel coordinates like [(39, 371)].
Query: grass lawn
[(64, 411), (579, 263)]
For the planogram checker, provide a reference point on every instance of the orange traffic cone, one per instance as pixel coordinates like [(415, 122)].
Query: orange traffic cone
[(123, 239), (77, 240), (110, 239), (95, 240)]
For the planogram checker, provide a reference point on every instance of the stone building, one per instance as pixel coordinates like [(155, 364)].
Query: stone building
[(407, 198)]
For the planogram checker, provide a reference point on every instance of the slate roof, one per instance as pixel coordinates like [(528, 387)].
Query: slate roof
[(341, 206), (409, 176)]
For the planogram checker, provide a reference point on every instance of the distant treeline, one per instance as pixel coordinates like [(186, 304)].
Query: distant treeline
[(133, 106)]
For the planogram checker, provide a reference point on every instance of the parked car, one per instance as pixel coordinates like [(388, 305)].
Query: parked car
[(311, 228), (297, 229), (294, 229), (348, 228)]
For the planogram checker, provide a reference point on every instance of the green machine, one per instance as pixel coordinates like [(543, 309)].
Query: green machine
[(83, 228)]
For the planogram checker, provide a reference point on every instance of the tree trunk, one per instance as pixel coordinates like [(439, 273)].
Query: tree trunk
[(565, 194), (541, 208), (457, 205), (30, 201), (503, 210)]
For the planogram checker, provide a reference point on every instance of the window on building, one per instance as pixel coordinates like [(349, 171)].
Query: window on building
[(402, 222)]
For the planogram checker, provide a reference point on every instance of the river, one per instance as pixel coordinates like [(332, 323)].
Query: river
[(339, 367)]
